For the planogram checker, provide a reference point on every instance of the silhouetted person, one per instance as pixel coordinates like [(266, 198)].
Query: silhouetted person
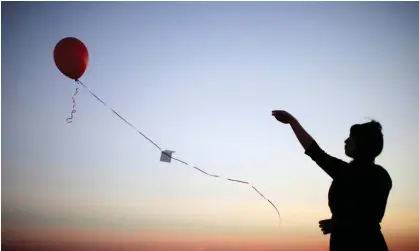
[(359, 190)]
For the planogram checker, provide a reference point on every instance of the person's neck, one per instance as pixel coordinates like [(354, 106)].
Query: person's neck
[(363, 160)]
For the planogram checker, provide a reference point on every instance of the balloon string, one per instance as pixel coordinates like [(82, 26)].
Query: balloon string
[(70, 119), (168, 155)]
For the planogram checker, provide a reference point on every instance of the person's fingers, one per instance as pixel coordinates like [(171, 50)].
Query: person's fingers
[(325, 227), (279, 118)]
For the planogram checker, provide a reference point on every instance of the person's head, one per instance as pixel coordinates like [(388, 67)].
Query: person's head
[(365, 141)]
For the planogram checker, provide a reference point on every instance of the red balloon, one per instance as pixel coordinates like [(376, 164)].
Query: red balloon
[(71, 57)]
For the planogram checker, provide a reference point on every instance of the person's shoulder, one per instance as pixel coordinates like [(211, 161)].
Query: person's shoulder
[(384, 175), (382, 171)]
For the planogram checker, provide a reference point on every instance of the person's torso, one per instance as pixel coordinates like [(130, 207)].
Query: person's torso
[(359, 194)]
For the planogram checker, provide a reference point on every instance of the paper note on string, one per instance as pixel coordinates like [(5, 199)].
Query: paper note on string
[(166, 156)]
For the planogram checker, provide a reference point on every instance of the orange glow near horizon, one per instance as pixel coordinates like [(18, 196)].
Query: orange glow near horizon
[(61, 239)]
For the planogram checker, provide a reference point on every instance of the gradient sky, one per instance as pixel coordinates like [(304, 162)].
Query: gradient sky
[(201, 79)]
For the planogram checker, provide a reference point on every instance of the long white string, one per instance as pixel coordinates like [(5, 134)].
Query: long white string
[(160, 149)]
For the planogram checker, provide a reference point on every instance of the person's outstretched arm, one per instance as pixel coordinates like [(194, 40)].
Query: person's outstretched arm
[(302, 135), (331, 165)]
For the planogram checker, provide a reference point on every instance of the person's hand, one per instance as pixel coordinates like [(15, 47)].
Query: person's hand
[(283, 116), (326, 226)]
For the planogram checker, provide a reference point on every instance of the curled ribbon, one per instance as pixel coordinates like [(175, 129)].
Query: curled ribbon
[(70, 119)]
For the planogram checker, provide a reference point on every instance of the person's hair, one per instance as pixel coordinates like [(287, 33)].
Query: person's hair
[(369, 139)]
